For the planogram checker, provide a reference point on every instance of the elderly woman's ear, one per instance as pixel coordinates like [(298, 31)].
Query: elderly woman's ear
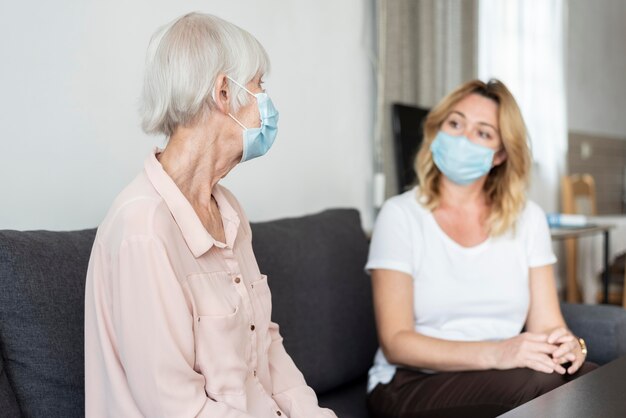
[(221, 94)]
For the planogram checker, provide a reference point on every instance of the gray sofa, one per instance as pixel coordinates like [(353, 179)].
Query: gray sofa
[(321, 298)]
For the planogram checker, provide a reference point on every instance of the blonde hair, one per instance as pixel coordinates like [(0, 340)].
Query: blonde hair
[(506, 183), (183, 61)]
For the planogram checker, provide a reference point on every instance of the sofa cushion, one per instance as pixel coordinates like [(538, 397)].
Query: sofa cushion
[(321, 295), (348, 401), (8, 403), (42, 283), (602, 326)]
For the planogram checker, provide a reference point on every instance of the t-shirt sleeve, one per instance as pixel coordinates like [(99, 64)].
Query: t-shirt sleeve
[(391, 247), (539, 244)]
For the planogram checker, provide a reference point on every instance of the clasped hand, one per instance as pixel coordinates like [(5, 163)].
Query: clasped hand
[(542, 352)]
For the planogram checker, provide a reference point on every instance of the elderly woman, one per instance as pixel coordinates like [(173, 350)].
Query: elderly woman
[(177, 313), (460, 266)]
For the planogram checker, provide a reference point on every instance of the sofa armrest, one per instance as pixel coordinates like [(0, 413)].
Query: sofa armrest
[(602, 326)]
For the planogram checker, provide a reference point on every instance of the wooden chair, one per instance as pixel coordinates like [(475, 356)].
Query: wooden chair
[(578, 194)]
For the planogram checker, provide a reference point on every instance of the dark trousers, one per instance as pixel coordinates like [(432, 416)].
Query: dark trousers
[(489, 393)]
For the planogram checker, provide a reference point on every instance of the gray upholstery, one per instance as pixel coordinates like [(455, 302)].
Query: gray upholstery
[(8, 403), (347, 401), (603, 327), (42, 280), (321, 298), (320, 292)]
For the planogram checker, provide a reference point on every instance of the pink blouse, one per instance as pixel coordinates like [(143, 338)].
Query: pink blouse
[(177, 324)]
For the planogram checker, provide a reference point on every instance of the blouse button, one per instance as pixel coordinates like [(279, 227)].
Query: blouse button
[(252, 327), (278, 413), (237, 279)]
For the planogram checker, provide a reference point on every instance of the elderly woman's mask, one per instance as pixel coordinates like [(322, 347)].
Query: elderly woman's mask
[(257, 141)]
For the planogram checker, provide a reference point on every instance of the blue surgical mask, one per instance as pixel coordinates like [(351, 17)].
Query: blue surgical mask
[(257, 141), (459, 159)]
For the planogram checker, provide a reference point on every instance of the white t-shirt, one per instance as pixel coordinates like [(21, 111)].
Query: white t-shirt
[(460, 293)]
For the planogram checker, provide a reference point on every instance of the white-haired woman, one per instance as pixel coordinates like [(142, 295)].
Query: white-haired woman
[(177, 313)]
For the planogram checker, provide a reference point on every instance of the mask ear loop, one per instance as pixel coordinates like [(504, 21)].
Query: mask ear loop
[(230, 114), (249, 92), (235, 119)]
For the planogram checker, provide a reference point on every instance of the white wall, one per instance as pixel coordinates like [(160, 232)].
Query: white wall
[(597, 67), (70, 80)]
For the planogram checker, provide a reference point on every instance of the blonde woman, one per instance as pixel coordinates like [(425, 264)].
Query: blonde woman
[(466, 306), (177, 313)]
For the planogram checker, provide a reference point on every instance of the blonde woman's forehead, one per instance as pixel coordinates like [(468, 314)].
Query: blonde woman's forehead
[(477, 109)]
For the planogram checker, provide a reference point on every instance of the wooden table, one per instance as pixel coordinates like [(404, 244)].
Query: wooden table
[(599, 393), (568, 233)]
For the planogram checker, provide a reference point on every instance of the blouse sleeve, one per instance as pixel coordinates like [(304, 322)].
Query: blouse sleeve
[(290, 391)]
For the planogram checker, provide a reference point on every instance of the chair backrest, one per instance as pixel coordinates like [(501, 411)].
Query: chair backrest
[(578, 193), (407, 124)]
